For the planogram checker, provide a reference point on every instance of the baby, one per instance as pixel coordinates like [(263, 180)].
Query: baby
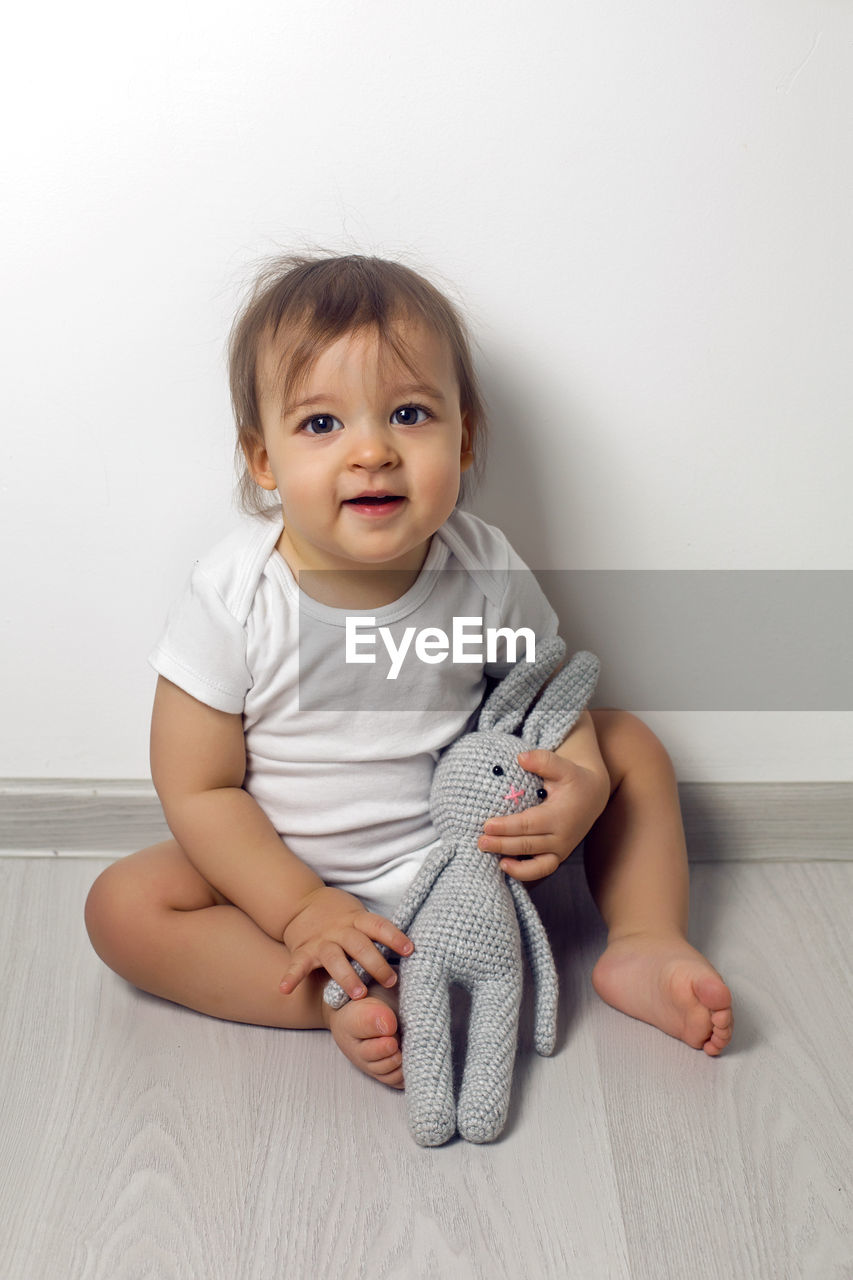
[(296, 795)]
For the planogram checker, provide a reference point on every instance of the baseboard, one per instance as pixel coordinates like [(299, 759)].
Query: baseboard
[(770, 821), (725, 821), (78, 817)]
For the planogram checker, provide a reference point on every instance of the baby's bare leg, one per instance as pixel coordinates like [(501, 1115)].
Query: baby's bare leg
[(636, 865), (158, 923)]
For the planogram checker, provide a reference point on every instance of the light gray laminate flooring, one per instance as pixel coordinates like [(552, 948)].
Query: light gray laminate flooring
[(140, 1140)]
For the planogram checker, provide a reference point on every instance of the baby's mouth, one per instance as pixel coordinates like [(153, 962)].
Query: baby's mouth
[(375, 504), (374, 500)]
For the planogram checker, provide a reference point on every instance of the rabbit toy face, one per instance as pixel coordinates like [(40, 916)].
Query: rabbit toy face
[(478, 778)]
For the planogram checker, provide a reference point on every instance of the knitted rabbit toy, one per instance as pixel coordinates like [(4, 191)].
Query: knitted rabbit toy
[(466, 917)]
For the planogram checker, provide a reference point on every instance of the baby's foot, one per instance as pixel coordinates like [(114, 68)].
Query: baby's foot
[(366, 1032), (665, 981)]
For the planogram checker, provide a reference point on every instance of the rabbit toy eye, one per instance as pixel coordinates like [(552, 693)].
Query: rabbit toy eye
[(541, 793), (497, 770)]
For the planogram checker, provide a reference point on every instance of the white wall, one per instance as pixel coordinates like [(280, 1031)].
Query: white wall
[(646, 207)]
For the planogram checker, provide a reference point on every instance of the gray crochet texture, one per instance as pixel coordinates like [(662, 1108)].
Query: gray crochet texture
[(467, 918)]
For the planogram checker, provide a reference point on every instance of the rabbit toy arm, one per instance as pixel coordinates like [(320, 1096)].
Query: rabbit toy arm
[(333, 993), (420, 887), (538, 950)]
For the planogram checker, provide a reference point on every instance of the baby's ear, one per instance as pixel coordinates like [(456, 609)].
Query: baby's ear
[(258, 462), (506, 706), (466, 457), (563, 702)]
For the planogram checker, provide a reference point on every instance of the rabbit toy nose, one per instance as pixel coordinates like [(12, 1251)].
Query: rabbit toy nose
[(512, 794)]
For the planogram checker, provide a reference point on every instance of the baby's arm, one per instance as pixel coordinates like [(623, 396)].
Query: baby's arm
[(198, 762), (533, 843)]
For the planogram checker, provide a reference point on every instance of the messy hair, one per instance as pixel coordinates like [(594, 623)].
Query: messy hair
[(306, 303)]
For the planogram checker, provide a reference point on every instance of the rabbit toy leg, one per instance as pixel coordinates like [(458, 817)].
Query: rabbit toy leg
[(427, 1051), (492, 1041)]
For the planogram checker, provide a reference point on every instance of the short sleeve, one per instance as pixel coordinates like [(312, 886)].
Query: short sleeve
[(203, 648), (523, 605)]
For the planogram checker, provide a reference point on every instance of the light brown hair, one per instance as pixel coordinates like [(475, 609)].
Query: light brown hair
[(305, 303)]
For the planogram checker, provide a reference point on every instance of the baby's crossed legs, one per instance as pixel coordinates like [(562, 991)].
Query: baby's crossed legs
[(158, 923)]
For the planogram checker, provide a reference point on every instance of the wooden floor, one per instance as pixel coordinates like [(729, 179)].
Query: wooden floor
[(139, 1140)]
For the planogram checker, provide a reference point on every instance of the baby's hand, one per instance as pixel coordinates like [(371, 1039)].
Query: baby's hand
[(533, 843), (331, 926)]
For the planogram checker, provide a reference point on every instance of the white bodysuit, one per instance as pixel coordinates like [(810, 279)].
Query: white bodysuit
[(339, 756)]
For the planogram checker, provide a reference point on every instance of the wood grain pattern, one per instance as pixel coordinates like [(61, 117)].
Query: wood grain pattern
[(749, 1155), (726, 821), (140, 1140), (48, 817)]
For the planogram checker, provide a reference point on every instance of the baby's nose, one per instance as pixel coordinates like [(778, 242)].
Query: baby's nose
[(372, 446)]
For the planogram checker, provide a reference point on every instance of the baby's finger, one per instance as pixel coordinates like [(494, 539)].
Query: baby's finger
[(510, 846), (532, 868), (295, 973), (372, 961), (338, 967), (331, 957), (381, 929), (547, 764), (531, 822)]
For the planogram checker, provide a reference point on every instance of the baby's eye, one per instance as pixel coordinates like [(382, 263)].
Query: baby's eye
[(497, 770), (322, 424), (409, 415)]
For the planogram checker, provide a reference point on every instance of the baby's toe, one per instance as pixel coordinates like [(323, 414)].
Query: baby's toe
[(379, 1049), (370, 1018), (390, 1071), (716, 1043), (721, 1032), (394, 1081), (713, 993), (723, 1020)]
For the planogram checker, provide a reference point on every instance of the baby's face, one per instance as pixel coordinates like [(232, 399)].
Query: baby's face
[(367, 458)]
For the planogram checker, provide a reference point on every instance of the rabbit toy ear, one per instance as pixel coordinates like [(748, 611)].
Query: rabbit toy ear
[(507, 704), (562, 703)]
